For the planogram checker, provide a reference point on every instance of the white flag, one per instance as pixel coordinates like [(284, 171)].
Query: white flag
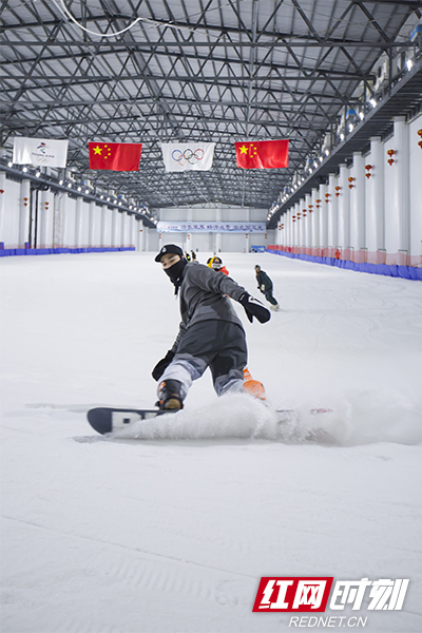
[(195, 156), (40, 152)]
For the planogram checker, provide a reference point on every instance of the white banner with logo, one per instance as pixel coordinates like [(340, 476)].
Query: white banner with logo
[(40, 152), (211, 227), (195, 156)]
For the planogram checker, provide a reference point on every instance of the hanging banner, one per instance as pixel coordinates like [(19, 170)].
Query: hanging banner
[(42, 152), (194, 156), (211, 227)]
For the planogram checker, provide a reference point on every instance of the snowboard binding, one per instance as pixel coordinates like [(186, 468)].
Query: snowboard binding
[(169, 395)]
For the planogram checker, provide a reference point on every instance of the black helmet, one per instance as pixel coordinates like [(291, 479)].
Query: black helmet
[(217, 263)]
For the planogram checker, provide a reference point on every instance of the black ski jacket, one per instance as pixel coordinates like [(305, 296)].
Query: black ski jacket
[(264, 282)]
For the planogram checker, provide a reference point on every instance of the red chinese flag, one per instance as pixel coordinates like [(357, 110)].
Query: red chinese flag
[(262, 154), (115, 156)]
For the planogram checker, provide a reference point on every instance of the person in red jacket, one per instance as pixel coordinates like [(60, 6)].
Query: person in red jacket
[(217, 264)]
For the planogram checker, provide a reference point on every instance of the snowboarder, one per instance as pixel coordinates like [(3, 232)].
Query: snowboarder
[(210, 333), (265, 285), (210, 260), (217, 264)]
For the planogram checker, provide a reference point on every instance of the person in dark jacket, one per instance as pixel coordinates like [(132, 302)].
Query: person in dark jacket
[(210, 333), (265, 285)]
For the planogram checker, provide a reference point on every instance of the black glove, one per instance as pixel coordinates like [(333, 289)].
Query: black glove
[(254, 308), (162, 365)]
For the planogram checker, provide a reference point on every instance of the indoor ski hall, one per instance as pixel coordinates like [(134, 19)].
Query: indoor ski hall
[(277, 146)]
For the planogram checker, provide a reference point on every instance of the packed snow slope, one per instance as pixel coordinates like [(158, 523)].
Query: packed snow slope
[(172, 533)]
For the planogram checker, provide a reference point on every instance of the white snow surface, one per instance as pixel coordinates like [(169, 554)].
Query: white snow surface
[(172, 533)]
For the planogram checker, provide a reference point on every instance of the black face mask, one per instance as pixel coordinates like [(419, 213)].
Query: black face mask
[(175, 272)]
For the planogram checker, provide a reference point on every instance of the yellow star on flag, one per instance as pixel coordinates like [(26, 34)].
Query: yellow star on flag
[(244, 149), (98, 150)]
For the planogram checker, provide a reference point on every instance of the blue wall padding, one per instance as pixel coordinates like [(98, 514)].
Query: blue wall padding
[(405, 272), (8, 252)]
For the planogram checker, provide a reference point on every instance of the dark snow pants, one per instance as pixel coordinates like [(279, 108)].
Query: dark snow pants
[(269, 297), (219, 345)]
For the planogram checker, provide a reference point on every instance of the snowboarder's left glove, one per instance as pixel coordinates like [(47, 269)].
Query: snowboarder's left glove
[(162, 365), (263, 288), (254, 308)]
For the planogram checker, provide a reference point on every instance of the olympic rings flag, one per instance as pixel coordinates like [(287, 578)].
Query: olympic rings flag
[(194, 156)]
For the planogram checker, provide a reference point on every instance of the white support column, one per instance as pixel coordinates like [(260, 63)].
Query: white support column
[(45, 220), (374, 203), (323, 224), (92, 224), (293, 236), (103, 229), (344, 211), (114, 228), (58, 219), (291, 228), (308, 223), (415, 162), (78, 222), (140, 233), (2, 199), (296, 227), (288, 229), (123, 230), (279, 234), (401, 138), (314, 222), (332, 205), (132, 234), (24, 213), (357, 208)]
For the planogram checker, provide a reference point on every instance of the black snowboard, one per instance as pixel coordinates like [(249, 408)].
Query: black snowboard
[(107, 419)]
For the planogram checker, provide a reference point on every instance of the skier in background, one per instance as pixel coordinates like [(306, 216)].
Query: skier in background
[(217, 264), (210, 333), (265, 285), (210, 260)]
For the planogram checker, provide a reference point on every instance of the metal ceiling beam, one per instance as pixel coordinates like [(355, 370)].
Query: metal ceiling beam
[(279, 41), (156, 82)]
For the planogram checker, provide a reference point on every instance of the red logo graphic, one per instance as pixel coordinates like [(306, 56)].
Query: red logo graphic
[(294, 595)]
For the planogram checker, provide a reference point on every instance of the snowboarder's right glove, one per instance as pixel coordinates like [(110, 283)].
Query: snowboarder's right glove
[(254, 308), (162, 365), (263, 288)]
